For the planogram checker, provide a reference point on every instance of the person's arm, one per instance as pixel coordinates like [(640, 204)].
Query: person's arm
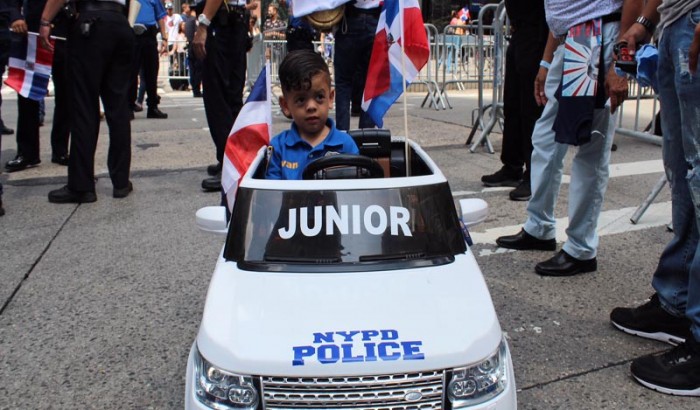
[(50, 10), (694, 51), (636, 33), (541, 78), (616, 86), (200, 36), (18, 23), (163, 34)]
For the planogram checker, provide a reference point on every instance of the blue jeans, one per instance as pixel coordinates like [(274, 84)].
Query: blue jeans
[(589, 172), (353, 49), (677, 277)]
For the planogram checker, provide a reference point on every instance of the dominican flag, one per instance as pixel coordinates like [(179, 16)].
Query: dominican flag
[(304, 7), (399, 53), (29, 67), (250, 132)]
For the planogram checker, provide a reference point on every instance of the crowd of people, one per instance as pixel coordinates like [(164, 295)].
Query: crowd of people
[(543, 118)]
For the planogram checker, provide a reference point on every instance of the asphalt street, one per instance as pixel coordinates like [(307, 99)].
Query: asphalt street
[(100, 303)]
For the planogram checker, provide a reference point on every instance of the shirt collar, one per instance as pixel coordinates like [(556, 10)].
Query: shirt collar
[(332, 139)]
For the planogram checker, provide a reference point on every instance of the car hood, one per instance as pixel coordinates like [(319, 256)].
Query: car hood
[(357, 323)]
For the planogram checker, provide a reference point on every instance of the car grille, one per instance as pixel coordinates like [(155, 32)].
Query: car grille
[(386, 392)]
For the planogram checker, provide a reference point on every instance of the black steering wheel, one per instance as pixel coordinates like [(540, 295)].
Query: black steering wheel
[(319, 169)]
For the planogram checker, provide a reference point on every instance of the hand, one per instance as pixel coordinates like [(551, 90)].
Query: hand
[(636, 34), (199, 42), (616, 88), (252, 6), (694, 50), (19, 26), (540, 80), (44, 37)]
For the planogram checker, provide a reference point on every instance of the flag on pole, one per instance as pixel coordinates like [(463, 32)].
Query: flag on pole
[(250, 132), (29, 67), (398, 46), (304, 7)]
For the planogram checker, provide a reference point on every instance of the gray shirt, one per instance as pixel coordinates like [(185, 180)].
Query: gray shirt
[(564, 14), (672, 10)]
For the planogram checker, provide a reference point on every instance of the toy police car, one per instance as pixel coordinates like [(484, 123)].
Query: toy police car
[(353, 293)]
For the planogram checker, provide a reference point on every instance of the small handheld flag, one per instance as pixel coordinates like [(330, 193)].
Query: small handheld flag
[(400, 51), (29, 67)]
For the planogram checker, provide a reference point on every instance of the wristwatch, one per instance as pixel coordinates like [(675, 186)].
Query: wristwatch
[(202, 19), (648, 25)]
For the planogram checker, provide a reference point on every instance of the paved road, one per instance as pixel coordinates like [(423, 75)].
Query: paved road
[(101, 302)]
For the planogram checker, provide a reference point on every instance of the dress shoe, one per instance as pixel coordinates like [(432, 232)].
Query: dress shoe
[(123, 192), (563, 264), (156, 113), (2, 210), (138, 107), (212, 184), (197, 95), (66, 195), (7, 131), (20, 163), (503, 177), (214, 169), (60, 159), (525, 242)]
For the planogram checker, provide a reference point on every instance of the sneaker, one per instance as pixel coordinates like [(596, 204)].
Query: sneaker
[(521, 192), (650, 321), (676, 371), (502, 177)]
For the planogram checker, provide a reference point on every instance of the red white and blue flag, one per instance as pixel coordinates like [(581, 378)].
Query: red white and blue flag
[(250, 132), (400, 26), (304, 7), (29, 67)]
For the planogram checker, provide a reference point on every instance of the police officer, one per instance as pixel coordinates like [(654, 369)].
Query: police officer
[(150, 20), (100, 49), (224, 69)]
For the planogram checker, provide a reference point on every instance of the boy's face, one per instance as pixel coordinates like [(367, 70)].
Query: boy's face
[(309, 108)]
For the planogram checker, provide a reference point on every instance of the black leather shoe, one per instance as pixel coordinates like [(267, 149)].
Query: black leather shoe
[(7, 131), (212, 184), (156, 113), (66, 195), (523, 241), (60, 160), (138, 107), (20, 163), (2, 210), (123, 192), (563, 264), (214, 169)]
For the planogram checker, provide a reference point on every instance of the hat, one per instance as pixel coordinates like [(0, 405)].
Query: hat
[(168, 5)]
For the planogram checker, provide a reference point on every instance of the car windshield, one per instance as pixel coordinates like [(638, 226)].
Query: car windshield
[(348, 229)]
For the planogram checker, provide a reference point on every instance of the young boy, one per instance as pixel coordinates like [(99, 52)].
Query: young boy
[(306, 97)]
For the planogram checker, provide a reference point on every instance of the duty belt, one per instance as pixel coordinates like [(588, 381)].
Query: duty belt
[(100, 6)]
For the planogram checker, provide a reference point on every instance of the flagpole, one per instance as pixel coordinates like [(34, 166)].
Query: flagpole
[(403, 74)]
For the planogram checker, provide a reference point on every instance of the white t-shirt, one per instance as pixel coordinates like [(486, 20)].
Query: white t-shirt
[(172, 23)]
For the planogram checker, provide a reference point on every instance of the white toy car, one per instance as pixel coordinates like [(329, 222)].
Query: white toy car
[(349, 294)]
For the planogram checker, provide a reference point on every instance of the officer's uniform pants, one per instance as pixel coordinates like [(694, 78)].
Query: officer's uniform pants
[(100, 65)]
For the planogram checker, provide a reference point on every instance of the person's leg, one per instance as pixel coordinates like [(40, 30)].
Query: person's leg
[(547, 160), (115, 100), (150, 74), (344, 71), (369, 28), (589, 172), (60, 130)]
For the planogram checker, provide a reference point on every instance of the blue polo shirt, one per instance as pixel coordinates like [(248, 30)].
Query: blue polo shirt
[(150, 13), (290, 153)]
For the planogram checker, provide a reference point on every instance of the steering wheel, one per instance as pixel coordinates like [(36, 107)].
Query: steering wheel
[(359, 162)]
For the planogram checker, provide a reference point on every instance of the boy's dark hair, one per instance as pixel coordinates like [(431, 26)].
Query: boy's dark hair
[(299, 67)]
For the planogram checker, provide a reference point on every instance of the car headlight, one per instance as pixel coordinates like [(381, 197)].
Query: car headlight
[(222, 390), (481, 382)]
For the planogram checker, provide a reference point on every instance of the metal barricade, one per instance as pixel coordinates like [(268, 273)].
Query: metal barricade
[(429, 75), (495, 107)]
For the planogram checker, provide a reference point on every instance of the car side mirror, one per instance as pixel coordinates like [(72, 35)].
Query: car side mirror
[(474, 211), (212, 219)]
